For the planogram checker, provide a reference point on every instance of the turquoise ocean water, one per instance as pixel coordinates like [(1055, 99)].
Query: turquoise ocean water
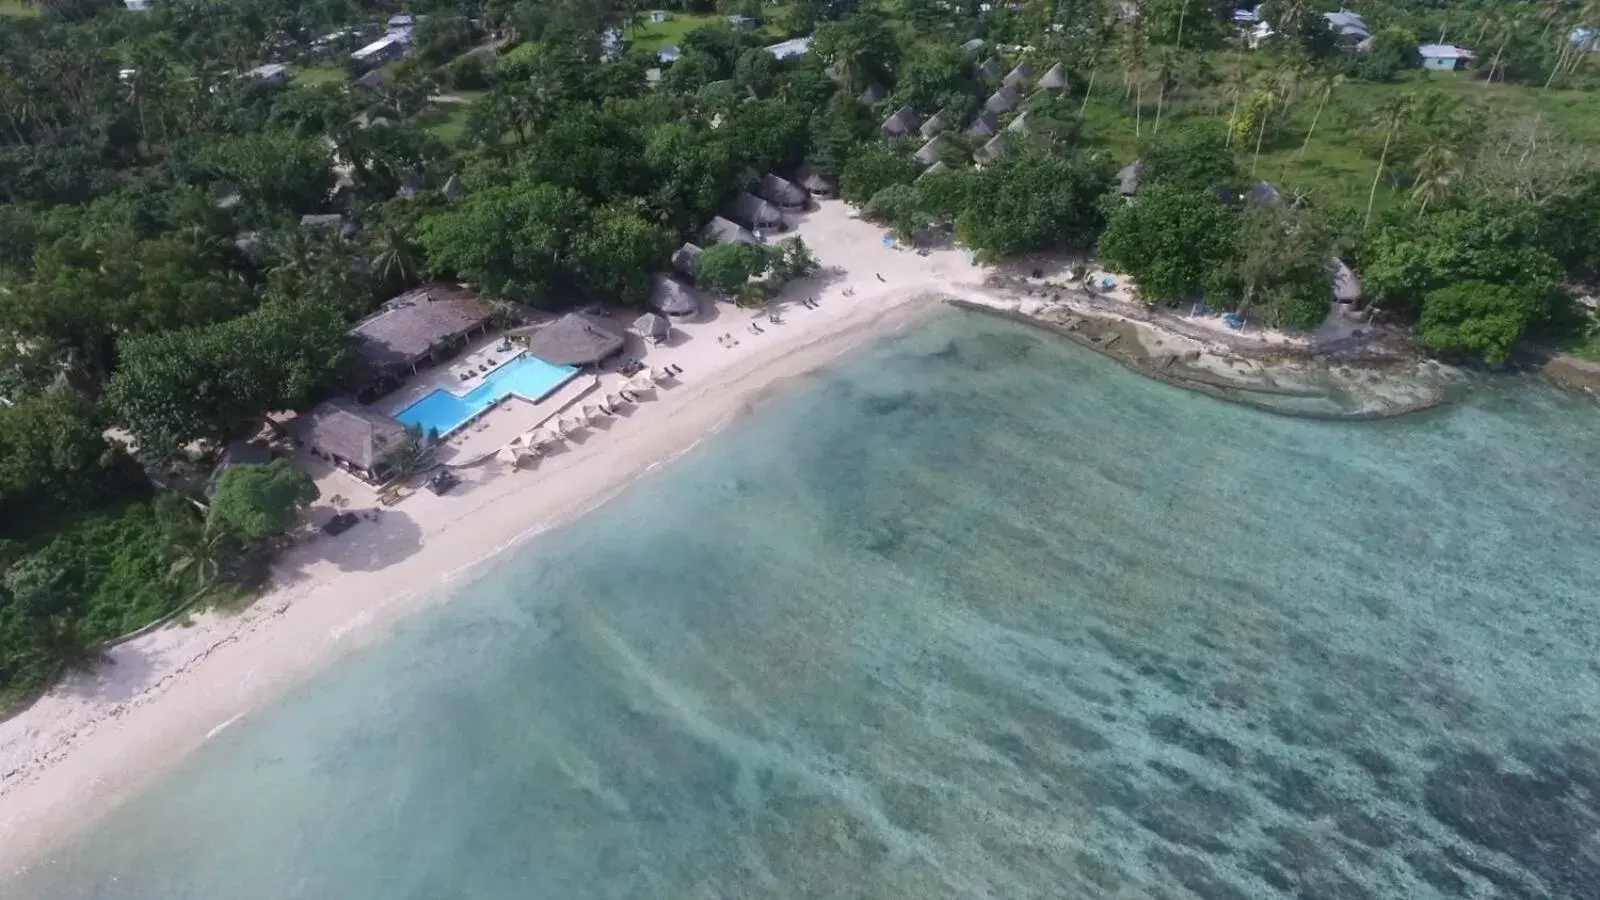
[(976, 614)]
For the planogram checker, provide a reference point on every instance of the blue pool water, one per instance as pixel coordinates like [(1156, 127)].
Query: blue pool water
[(526, 376)]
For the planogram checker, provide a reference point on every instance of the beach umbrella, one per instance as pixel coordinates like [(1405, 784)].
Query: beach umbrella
[(507, 453), (555, 427), (659, 374), (518, 441), (592, 412), (642, 384), (616, 400), (572, 424)]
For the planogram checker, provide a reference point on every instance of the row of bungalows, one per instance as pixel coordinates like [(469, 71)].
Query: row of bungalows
[(1006, 100)]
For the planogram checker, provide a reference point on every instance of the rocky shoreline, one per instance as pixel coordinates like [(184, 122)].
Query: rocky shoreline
[(1350, 384)]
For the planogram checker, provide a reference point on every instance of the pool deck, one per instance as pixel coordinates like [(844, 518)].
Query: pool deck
[(498, 424)]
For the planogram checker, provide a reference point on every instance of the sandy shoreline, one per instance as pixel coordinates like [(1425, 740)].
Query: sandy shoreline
[(97, 737)]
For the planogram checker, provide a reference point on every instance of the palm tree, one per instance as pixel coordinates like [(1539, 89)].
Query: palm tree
[(1133, 56), (1236, 85), (1438, 169), (1329, 81), (393, 255), (1390, 117), (1166, 68), (199, 554)]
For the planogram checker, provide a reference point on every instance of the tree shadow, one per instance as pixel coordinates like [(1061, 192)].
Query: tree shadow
[(122, 673), (368, 546)]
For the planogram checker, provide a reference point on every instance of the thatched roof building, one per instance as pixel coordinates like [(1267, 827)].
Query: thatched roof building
[(1128, 178), (1017, 79), (725, 231), (353, 436), (686, 259), (874, 93), (986, 124), (782, 192), (1002, 101), (934, 169), (938, 122), (993, 150), (930, 152), (575, 339), (452, 189), (814, 183), (753, 212), (903, 122), (1019, 124), (673, 297), (651, 327), (409, 328), (1055, 79), (989, 69)]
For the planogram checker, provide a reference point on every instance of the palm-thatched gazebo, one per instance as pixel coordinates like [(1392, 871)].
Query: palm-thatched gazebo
[(1002, 101), (936, 123), (814, 183), (1055, 79), (993, 150), (902, 123), (686, 259), (782, 192), (652, 327)]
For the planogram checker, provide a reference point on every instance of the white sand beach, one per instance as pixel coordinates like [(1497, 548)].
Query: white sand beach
[(98, 736)]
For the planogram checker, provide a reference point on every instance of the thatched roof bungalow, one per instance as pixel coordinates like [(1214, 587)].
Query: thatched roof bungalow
[(989, 69), (409, 329), (686, 259), (1128, 178), (782, 192), (986, 124), (673, 297), (1055, 79), (575, 339), (1017, 79), (725, 231), (938, 122), (753, 212), (351, 436), (902, 123), (651, 327), (993, 150), (814, 183), (930, 152), (934, 169), (1346, 286), (873, 93), (1002, 101)]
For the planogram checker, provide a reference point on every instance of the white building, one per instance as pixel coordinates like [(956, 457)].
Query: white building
[(382, 50), (275, 74), (790, 48)]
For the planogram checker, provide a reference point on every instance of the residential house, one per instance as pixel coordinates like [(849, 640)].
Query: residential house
[(657, 16), (744, 23), (794, 47), (385, 49), (1444, 57), (137, 5), (1348, 26), (669, 55)]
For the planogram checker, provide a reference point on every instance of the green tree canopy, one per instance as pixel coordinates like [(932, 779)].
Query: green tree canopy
[(1480, 319), (729, 267), (256, 503), (1173, 242), (1493, 240), (871, 170), (1035, 201)]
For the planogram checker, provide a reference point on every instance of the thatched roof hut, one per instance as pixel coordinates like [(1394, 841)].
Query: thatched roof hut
[(1017, 79), (934, 169), (930, 152), (903, 122), (410, 327), (753, 212), (938, 122), (1019, 124), (686, 259), (986, 124), (355, 436), (989, 69), (1263, 194), (1002, 101), (993, 150), (1128, 178), (1055, 79), (874, 93), (651, 327), (452, 189), (724, 231), (814, 183), (673, 297), (782, 192), (575, 339)]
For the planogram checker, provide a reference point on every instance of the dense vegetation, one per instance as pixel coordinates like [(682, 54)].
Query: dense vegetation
[(158, 284)]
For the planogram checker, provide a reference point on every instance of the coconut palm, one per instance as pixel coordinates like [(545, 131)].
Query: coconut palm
[(1166, 69), (1329, 82), (1439, 168), (1391, 116)]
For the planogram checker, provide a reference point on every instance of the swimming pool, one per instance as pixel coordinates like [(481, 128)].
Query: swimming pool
[(526, 376)]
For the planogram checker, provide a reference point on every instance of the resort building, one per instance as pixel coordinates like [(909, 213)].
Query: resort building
[(930, 152), (353, 437), (1346, 286), (993, 150), (575, 339), (723, 231), (686, 259), (755, 213), (1055, 80), (938, 122), (417, 328), (874, 93), (1002, 101), (902, 123), (782, 192), (1017, 79), (985, 125), (814, 183), (672, 297)]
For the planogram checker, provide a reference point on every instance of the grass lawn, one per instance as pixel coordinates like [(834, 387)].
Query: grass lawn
[(649, 36), (446, 121), (311, 76), (16, 8)]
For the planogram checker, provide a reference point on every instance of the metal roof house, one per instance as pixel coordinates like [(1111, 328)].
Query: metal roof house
[(754, 213), (1444, 57), (791, 48), (409, 329), (382, 50), (902, 123), (1348, 25), (723, 231), (353, 437), (782, 192), (669, 54), (275, 74)]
